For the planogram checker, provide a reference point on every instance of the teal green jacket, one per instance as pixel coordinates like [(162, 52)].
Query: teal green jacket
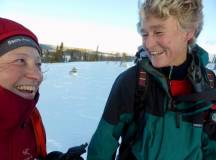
[(161, 139)]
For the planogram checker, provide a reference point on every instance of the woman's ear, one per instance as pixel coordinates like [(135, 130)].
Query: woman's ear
[(190, 35)]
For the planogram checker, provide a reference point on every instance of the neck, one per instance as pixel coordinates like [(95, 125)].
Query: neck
[(177, 72)]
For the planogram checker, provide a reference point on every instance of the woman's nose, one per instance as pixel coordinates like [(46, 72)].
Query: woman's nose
[(34, 72)]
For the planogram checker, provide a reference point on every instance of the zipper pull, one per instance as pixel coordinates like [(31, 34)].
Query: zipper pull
[(170, 73)]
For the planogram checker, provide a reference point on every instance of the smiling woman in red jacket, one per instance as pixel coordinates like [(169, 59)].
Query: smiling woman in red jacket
[(22, 135)]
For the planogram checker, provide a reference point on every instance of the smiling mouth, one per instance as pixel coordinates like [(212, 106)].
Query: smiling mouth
[(26, 88), (156, 53)]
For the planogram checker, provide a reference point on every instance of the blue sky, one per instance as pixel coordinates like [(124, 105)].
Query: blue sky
[(109, 24)]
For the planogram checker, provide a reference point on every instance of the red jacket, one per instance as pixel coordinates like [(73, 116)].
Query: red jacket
[(22, 135)]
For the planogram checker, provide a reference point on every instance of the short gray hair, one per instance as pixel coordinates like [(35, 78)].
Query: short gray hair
[(188, 13)]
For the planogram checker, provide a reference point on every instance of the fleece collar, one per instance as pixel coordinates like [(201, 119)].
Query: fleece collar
[(201, 53), (15, 110)]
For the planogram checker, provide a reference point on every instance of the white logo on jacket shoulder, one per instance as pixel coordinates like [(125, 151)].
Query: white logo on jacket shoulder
[(27, 154)]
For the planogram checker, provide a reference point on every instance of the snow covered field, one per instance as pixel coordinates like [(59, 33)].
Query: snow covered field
[(71, 105)]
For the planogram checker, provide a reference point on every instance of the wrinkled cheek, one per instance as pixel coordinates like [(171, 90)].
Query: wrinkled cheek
[(6, 83)]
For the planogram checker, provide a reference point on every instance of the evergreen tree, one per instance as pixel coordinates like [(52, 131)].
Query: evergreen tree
[(58, 56)]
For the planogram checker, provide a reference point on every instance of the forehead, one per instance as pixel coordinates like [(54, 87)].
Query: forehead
[(152, 22)]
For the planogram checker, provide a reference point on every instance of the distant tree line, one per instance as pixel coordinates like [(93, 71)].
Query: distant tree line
[(79, 54)]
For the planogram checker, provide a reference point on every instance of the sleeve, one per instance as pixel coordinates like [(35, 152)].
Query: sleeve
[(54, 155), (104, 142), (209, 137)]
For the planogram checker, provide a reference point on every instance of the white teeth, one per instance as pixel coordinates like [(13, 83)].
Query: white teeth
[(26, 88), (154, 53)]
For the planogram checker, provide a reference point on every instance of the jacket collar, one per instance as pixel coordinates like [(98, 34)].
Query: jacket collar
[(15, 110), (201, 53)]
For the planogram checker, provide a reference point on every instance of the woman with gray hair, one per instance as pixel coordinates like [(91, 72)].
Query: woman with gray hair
[(162, 108)]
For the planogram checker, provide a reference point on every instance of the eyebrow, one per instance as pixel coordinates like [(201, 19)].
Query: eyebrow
[(157, 27)]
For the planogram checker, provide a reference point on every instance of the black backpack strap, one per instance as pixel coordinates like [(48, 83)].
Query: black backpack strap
[(207, 95), (138, 117)]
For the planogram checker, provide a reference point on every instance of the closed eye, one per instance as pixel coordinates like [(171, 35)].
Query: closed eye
[(19, 61), (158, 33)]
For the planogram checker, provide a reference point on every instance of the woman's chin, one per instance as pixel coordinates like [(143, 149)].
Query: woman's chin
[(25, 95)]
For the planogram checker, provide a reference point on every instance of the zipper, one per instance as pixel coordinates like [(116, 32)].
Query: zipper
[(172, 102), (170, 72), (171, 107)]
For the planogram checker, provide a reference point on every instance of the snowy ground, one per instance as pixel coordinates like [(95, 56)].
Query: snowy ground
[(71, 105)]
